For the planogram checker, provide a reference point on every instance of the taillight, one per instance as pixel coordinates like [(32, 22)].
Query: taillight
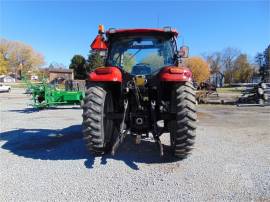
[(103, 71), (175, 70), (177, 74)]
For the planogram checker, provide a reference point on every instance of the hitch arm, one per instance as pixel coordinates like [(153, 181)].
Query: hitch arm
[(156, 131), (123, 132)]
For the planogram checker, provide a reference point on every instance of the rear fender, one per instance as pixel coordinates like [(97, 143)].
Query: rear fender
[(106, 74), (175, 74)]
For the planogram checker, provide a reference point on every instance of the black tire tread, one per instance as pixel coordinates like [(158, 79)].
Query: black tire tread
[(185, 123), (92, 117)]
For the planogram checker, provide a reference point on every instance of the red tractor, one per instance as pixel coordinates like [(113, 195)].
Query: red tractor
[(143, 89)]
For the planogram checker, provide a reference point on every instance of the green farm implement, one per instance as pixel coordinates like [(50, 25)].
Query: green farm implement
[(45, 95)]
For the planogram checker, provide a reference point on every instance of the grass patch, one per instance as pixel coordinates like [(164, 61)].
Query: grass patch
[(19, 84), (230, 90), (16, 85)]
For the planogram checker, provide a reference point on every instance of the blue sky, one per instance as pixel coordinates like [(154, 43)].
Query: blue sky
[(60, 29)]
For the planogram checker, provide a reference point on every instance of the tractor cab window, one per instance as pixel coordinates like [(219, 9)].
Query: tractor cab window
[(141, 55)]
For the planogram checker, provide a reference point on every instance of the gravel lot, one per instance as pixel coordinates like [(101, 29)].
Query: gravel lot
[(43, 158)]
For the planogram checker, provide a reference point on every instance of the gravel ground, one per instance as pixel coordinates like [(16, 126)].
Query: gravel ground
[(43, 158)]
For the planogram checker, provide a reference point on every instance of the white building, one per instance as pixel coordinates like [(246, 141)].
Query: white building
[(7, 79)]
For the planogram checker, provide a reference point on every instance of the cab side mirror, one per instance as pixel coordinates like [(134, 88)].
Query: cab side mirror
[(183, 52)]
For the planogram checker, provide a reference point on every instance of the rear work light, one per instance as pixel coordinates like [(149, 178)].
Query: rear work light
[(167, 29), (103, 70), (112, 30)]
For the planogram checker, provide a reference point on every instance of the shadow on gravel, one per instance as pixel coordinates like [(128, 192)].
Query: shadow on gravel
[(25, 111), (32, 110), (130, 153), (67, 144)]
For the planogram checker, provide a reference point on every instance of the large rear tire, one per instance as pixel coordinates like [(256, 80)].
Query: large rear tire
[(182, 129), (97, 129)]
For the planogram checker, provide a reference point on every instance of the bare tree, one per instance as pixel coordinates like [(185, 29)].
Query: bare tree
[(266, 66), (215, 64), (259, 59), (228, 57), (5, 47), (57, 65)]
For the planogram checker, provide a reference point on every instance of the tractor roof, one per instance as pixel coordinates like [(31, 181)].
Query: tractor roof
[(141, 31)]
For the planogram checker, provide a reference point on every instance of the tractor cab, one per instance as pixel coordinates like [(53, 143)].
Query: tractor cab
[(144, 81), (128, 49)]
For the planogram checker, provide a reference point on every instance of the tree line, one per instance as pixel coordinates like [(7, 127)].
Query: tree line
[(82, 66), (263, 60), (236, 67), (230, 65)]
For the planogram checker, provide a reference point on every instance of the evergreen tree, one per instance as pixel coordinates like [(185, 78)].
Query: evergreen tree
[(266, 66), (94, 60), (78, 64)]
